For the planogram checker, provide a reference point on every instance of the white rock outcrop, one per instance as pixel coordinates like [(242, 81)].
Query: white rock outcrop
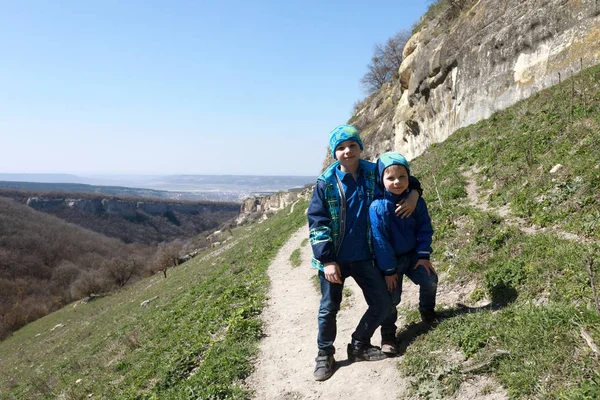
[(460, 69)]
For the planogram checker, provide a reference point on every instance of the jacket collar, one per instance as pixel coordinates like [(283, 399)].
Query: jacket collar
[(394, 198), (347, 175)]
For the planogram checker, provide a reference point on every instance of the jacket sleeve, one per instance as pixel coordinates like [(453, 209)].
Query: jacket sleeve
[(415, 184), (385, 256), (319, 225), (424, 230)]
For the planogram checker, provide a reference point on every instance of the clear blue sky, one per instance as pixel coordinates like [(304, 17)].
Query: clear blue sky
[(183, 87)]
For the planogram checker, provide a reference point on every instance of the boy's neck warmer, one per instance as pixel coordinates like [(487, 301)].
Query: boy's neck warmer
[(394, 198)]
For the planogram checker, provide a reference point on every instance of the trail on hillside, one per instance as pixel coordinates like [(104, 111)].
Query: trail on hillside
[(479, 199), (285, 363)]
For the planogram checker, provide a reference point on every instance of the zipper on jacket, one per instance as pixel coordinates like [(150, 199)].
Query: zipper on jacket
[(342, 229)]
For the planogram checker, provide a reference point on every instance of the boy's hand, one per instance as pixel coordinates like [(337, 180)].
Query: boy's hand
[(391, 281), (332, 272), (407, 205), (427, 265)]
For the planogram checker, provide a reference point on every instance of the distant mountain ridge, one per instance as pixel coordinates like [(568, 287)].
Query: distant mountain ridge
[(106, 190), (42, 178), (173, 187)]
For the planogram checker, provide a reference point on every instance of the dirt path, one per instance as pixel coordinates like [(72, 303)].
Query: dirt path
[(284, 366)]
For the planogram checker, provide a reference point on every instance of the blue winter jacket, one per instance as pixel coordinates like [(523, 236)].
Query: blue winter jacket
[(327, 212), (394, 236)]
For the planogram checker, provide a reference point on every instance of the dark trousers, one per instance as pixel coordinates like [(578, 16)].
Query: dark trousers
[(405, 265), (370, 280)]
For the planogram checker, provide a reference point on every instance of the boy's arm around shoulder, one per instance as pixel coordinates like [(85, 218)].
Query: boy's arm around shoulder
[(319, 225), (407, 205), (415, 184), (379, 217), (424, 230)]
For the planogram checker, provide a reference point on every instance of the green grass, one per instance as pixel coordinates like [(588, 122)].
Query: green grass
[(436, 7), (295, 259), (538, 285), (546, 353), (316, 282), (193, 341), (442, 9)]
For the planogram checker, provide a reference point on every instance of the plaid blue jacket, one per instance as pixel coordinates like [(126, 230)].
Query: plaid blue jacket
[(326, 212)]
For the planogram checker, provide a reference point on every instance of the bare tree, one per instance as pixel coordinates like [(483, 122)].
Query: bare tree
[(385, 62), (65, 273), (167, 255), (378, 73), (88, 283), (394, 47), (121, 270)]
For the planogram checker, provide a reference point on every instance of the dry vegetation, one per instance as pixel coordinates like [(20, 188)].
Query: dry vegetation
[(46, 262)]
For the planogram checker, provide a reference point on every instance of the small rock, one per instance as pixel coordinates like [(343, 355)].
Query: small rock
[(556, 168), (57, 326), (78, 380), (146, 302)]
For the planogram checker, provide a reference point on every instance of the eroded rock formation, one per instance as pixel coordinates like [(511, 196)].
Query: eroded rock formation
[(460, 69)]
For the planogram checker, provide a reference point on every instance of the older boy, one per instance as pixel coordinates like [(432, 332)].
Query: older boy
[(340, 240), (402, 246)]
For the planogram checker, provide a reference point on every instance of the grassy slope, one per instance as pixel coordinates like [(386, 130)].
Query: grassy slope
[(537, 282), (193, 341)]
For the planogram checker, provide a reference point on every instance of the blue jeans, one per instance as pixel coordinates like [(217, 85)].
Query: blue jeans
[(370, 280), (405, 265)]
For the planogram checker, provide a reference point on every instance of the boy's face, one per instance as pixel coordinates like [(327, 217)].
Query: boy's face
[(348, 153), (395, 179)]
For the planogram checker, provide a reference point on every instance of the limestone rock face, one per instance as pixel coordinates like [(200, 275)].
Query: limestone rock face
[(261, 207), (125, 208), (485, 59)]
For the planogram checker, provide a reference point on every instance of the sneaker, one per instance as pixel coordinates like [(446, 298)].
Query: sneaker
[(324, 366), (366, 352), (429, 317), (389, 346)]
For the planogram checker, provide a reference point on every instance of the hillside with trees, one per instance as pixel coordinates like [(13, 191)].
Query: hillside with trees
[(46, 263), (49, 259)]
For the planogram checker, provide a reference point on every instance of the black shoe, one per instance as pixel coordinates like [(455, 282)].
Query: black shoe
[(324, 366), (430, 317), (365, 352), (389, 345)]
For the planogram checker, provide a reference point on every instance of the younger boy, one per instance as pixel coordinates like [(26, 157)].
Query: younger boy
[(402, 246), (338, 217)]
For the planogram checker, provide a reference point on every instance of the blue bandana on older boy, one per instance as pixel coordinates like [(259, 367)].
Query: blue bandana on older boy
[(340, 134)]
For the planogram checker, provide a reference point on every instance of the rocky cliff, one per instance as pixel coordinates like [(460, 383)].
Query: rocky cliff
[(261, 207), (466, 63), (133, 220), (125, 208)]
